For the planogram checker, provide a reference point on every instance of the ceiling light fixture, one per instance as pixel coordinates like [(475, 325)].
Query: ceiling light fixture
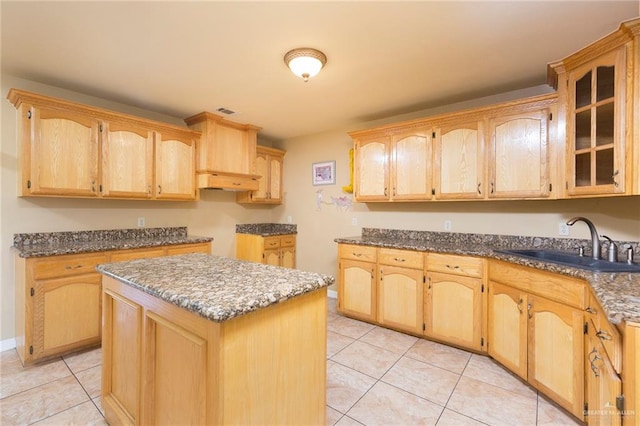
[(305, 62)]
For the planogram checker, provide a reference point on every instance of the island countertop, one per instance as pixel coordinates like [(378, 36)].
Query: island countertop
[(214, 287)]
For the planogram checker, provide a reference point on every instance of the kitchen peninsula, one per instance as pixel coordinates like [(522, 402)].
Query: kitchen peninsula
[(201, 339)]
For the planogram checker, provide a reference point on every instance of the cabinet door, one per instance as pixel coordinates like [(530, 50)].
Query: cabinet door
[(62, 155), (556, 348), (262, 169), (507, 327), (453, 310), (275, 179), (602, 383), (596, 126), (127, 161), (66, 314), (459, 161), (372, 169), (411, 168), (519, 158), (400, 298), (175, 167), (288, 257), (357, 289), (271, 257)]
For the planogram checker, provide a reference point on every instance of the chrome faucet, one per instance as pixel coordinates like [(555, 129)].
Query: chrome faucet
[(595, 240)]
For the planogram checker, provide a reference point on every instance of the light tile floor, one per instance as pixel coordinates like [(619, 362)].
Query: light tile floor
[(375, 376)]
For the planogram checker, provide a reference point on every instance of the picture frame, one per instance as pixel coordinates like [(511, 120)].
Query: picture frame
[(323, 173)]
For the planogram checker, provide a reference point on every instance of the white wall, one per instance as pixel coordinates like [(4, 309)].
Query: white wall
[(215, 215)]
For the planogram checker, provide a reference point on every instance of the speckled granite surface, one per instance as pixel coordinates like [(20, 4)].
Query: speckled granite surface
[(73, 242), (618, 293), (266, 229), (214, 287)]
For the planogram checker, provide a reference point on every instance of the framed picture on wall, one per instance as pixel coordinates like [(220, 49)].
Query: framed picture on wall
[(324, 173)]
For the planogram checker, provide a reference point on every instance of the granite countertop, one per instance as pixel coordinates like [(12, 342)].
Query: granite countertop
[(215, 287), (618, 293), (266, 229), (74, 242)]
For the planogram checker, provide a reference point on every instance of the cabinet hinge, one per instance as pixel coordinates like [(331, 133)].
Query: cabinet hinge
[(28, 184), (585, 328), (482, 341), (424, 326), (585, 409), (620, 403), (29, 115), (30, 350), (33, 292), (566, 185), (433, 135), (100, 188), (100, 127), (424, 279), (482, 288), (433, 191), (550, 187), (550, 116)]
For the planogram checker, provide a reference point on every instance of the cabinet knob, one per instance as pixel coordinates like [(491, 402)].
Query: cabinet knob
[(159, 189), (603, 335), (479, 185)]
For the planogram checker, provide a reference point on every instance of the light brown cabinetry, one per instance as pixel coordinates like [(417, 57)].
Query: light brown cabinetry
[(269, 165), (357, 284), (73, 150), (58, 301), (278, 250), (598, 86), (535, 325), (454, 300), (400, 289)]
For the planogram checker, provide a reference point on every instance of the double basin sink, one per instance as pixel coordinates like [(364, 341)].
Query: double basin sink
[(574, 260)]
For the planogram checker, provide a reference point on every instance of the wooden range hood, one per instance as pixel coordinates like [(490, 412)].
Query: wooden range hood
[(225, 153)]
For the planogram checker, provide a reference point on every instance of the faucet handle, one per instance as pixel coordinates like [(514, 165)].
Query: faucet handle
[(581, 251), (612, 253), (629, 250)]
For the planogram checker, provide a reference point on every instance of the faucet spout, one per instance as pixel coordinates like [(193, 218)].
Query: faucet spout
[(595, 240)]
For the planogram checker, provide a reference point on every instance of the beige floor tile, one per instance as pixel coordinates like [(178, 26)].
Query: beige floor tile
[(451, 418), (83, 414), (84, 360), (332, 316), (387, 405), (91, 380), (336, 342), (367, 359), (442, 356), (332, 416), (551, 415), (349, 327), (345, 386), (332, 304), (424, 380), (489, 371), (492, 404), (41, 402), (348, 421), (389, 339), (98, 403), (15, 378)]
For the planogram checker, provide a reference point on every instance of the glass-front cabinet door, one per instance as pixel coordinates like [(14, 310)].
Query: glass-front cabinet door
[(596, 126)]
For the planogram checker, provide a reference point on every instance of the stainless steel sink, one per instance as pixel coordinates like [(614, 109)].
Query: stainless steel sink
[(570, 259)]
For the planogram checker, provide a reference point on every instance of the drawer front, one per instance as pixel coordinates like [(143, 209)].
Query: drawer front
[(67, 265), (570, 291), (189, 248), (288, 241), (453, 264), (404, 258), (271, 242), (120, 256), (354, 252)]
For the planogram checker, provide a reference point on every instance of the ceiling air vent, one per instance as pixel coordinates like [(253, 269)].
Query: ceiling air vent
[(225, 111)]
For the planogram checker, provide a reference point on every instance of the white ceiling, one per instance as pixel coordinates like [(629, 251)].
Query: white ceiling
[(384, 58)]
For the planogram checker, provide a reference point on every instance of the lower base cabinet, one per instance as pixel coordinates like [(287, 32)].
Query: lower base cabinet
[(276, 250)]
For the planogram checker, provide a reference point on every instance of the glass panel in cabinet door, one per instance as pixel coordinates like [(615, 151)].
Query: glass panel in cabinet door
[(583, 130), (583, 169), (583, 91), (604, 167), (605, 86), (604, 124)]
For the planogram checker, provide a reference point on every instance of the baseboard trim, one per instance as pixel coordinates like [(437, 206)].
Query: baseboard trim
[(7, 344), (332, 294)]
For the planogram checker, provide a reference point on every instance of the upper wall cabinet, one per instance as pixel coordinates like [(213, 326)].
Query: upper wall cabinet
[(73, 150), (599, 89), (269, 165)]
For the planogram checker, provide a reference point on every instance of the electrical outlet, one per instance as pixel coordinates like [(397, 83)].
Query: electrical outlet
[(354, 221), (447, 225), (563, 229), (141, 222)]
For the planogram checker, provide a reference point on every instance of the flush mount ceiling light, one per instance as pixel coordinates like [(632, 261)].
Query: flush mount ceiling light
[(305, 62)]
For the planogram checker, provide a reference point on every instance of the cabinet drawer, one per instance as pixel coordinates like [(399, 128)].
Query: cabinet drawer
[(120, 256), (560, 288), (288, 241), (354, 252), (67, 265), (405, 258), (271, 242), (606, 332), (453, 264), (189, 248)]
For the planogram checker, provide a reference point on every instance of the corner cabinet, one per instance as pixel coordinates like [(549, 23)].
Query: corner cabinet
[(599, 87), (276, 250), (74, 150), (269, 166)]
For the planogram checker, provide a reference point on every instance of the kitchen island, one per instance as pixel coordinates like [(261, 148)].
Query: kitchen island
[(200, 339)]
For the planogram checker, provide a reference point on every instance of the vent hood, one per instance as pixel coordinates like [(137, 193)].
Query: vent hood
[(228, 181)]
